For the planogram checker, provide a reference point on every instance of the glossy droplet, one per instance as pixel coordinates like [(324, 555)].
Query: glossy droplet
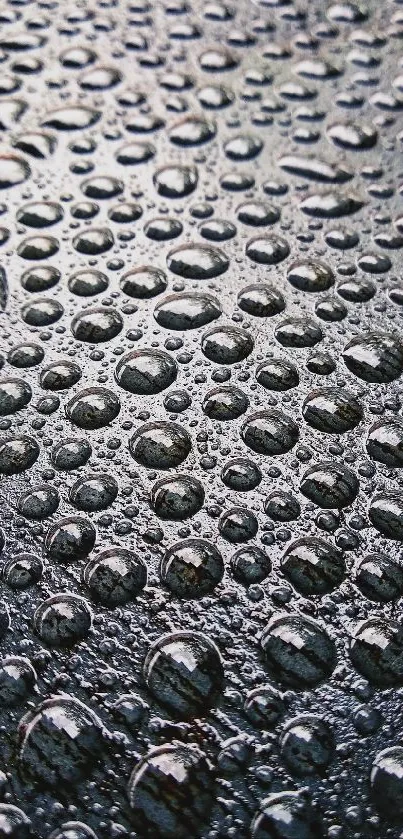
[(160, 445), (146, 372), (197, 262), (184, 672), (374, 357)]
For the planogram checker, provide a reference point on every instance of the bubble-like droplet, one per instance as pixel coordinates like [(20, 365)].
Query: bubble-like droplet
[(171, 791), (144, 282), (250, 565), (278, 374), (379, 577), (177, 498), (73, 118), (192, 131), (197, 262), (22, 571), (70, 539), (187, 311), (385, 442), (71, 453), (63, 620), (176, 181), (268, 250), (298, 652), (115, 577), (14, 823), (261, 300), (146, 372), (184, 671), (60, 741), (93, 493), (15, 394), (60, 376), (93, 408), (332, 410), (387, 782), (330, 485), (225, 403), (374, 357), (313, 566), (299, 332), (39, 502), (17, 454), (17, 682), (13, 171), (96, 326), (377, 652), (386, 514), (310, 276), (226, 344), (160, 445), (270, 432), (307, 745), (285, 815), (241, 475), (94, 241), (192, 568)]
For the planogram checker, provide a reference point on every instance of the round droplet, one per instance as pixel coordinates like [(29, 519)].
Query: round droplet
[(285, 815), (171, 792), (63, 620), (250, 566), (313, 566), (160, 445), (310, 276), (197, 262), (332, 410), (176, 181), (15, 394), (144, 282), (241, 475), (226, 344), (385, 442), (298, 651), (270, 433), (70, 539), (93, 408), (187, 311), (184, 672), (374, 357), (178, 498), (386, 514), (225, 403), (278, 374), (38, 503), (379, 578), (60, 376), (146, 372), (192, 568), (71, 454), (96, 326), (307, 745), (93, 493), (377, 652), (60, 741), (115, 577), (330, 485), (17, 454), (261, 300)]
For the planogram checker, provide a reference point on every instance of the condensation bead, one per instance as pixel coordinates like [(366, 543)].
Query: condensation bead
[(171, 791), (184, 672)]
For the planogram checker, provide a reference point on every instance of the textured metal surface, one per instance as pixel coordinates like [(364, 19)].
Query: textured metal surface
[(200, 413)]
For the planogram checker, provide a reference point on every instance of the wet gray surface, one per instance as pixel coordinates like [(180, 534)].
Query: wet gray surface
[(200, 413)]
